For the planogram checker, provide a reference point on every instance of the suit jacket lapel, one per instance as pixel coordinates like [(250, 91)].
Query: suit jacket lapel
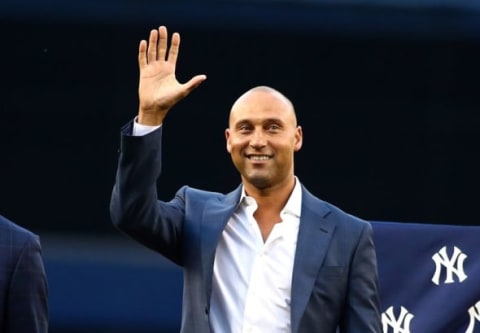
[(215, 217), (314, 235)]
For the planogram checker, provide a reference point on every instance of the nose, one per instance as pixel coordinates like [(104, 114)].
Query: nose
[(258, 140)]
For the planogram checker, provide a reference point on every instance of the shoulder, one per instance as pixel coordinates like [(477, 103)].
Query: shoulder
[(203, 195), (22, 250), (194, 199), (331, 212), (12, 235)]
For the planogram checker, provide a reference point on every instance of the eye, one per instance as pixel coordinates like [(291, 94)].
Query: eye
[(244, 127), (273, 127)]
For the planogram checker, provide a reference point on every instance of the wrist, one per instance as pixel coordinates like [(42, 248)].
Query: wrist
[(150, 119)]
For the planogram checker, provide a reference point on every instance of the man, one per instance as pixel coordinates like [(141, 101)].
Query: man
[(269, 256), (23, 283)]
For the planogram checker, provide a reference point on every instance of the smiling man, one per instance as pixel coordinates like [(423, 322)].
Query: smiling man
[(268, 256), (262, 137)]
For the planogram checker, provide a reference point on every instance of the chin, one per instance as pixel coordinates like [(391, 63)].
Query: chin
[(258, 181)]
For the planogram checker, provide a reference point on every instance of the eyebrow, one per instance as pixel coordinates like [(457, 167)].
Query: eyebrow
[(264, 121)]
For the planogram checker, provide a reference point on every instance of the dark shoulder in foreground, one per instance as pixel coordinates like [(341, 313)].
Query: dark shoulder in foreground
[(12, 232)]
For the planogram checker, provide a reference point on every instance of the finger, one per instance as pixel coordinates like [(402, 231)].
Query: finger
[(174, 47), (162, 43), (194, 82), (152, 46), (142, 55)]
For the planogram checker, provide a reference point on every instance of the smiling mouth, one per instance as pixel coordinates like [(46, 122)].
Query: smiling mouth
[(259, 157)]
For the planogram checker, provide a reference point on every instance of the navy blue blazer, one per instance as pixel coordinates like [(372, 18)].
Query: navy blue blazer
[(23, 283), (335, 280)]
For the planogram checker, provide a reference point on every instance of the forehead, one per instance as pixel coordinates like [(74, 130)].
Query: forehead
[(262, 105)]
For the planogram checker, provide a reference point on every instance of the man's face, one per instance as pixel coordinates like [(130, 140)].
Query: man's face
[(262, 138)]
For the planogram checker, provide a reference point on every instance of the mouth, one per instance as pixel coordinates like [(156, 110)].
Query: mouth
[(259, 158)]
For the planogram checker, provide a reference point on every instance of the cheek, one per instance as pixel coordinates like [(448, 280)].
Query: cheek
[(235, 151), (235, 145)]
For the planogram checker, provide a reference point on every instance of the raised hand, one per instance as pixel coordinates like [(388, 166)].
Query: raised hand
[(159, 89)]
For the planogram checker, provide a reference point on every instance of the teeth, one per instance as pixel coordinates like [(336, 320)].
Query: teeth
[(259, 158)]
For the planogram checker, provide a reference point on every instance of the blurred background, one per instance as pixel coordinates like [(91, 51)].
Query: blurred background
[(386, 92)]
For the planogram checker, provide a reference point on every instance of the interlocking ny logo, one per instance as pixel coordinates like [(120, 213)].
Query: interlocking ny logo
[(474, 313), (454, 265), (398, 325)]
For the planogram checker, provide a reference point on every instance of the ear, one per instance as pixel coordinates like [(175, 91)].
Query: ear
[(227, 138), (298, 138)]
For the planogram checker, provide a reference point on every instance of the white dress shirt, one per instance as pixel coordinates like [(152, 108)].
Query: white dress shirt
[(140, 129), (252, 279)]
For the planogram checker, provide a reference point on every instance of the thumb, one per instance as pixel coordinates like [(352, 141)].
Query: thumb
[(194, 82)]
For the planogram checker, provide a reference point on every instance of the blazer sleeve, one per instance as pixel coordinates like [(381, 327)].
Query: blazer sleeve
[(363, 301), (27, 309), (134, 205)]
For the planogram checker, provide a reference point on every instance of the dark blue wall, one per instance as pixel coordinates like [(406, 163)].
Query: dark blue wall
[(105, 284)]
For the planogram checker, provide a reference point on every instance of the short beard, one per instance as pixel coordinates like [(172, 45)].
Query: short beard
[(259, 182)]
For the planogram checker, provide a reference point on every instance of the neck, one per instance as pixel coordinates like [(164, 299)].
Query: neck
[(272, 196), (270, 203)]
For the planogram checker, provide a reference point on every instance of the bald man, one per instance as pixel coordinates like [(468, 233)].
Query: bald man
[(268, 256)]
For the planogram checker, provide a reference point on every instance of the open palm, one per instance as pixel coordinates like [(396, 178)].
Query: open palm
[(159, 89)]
